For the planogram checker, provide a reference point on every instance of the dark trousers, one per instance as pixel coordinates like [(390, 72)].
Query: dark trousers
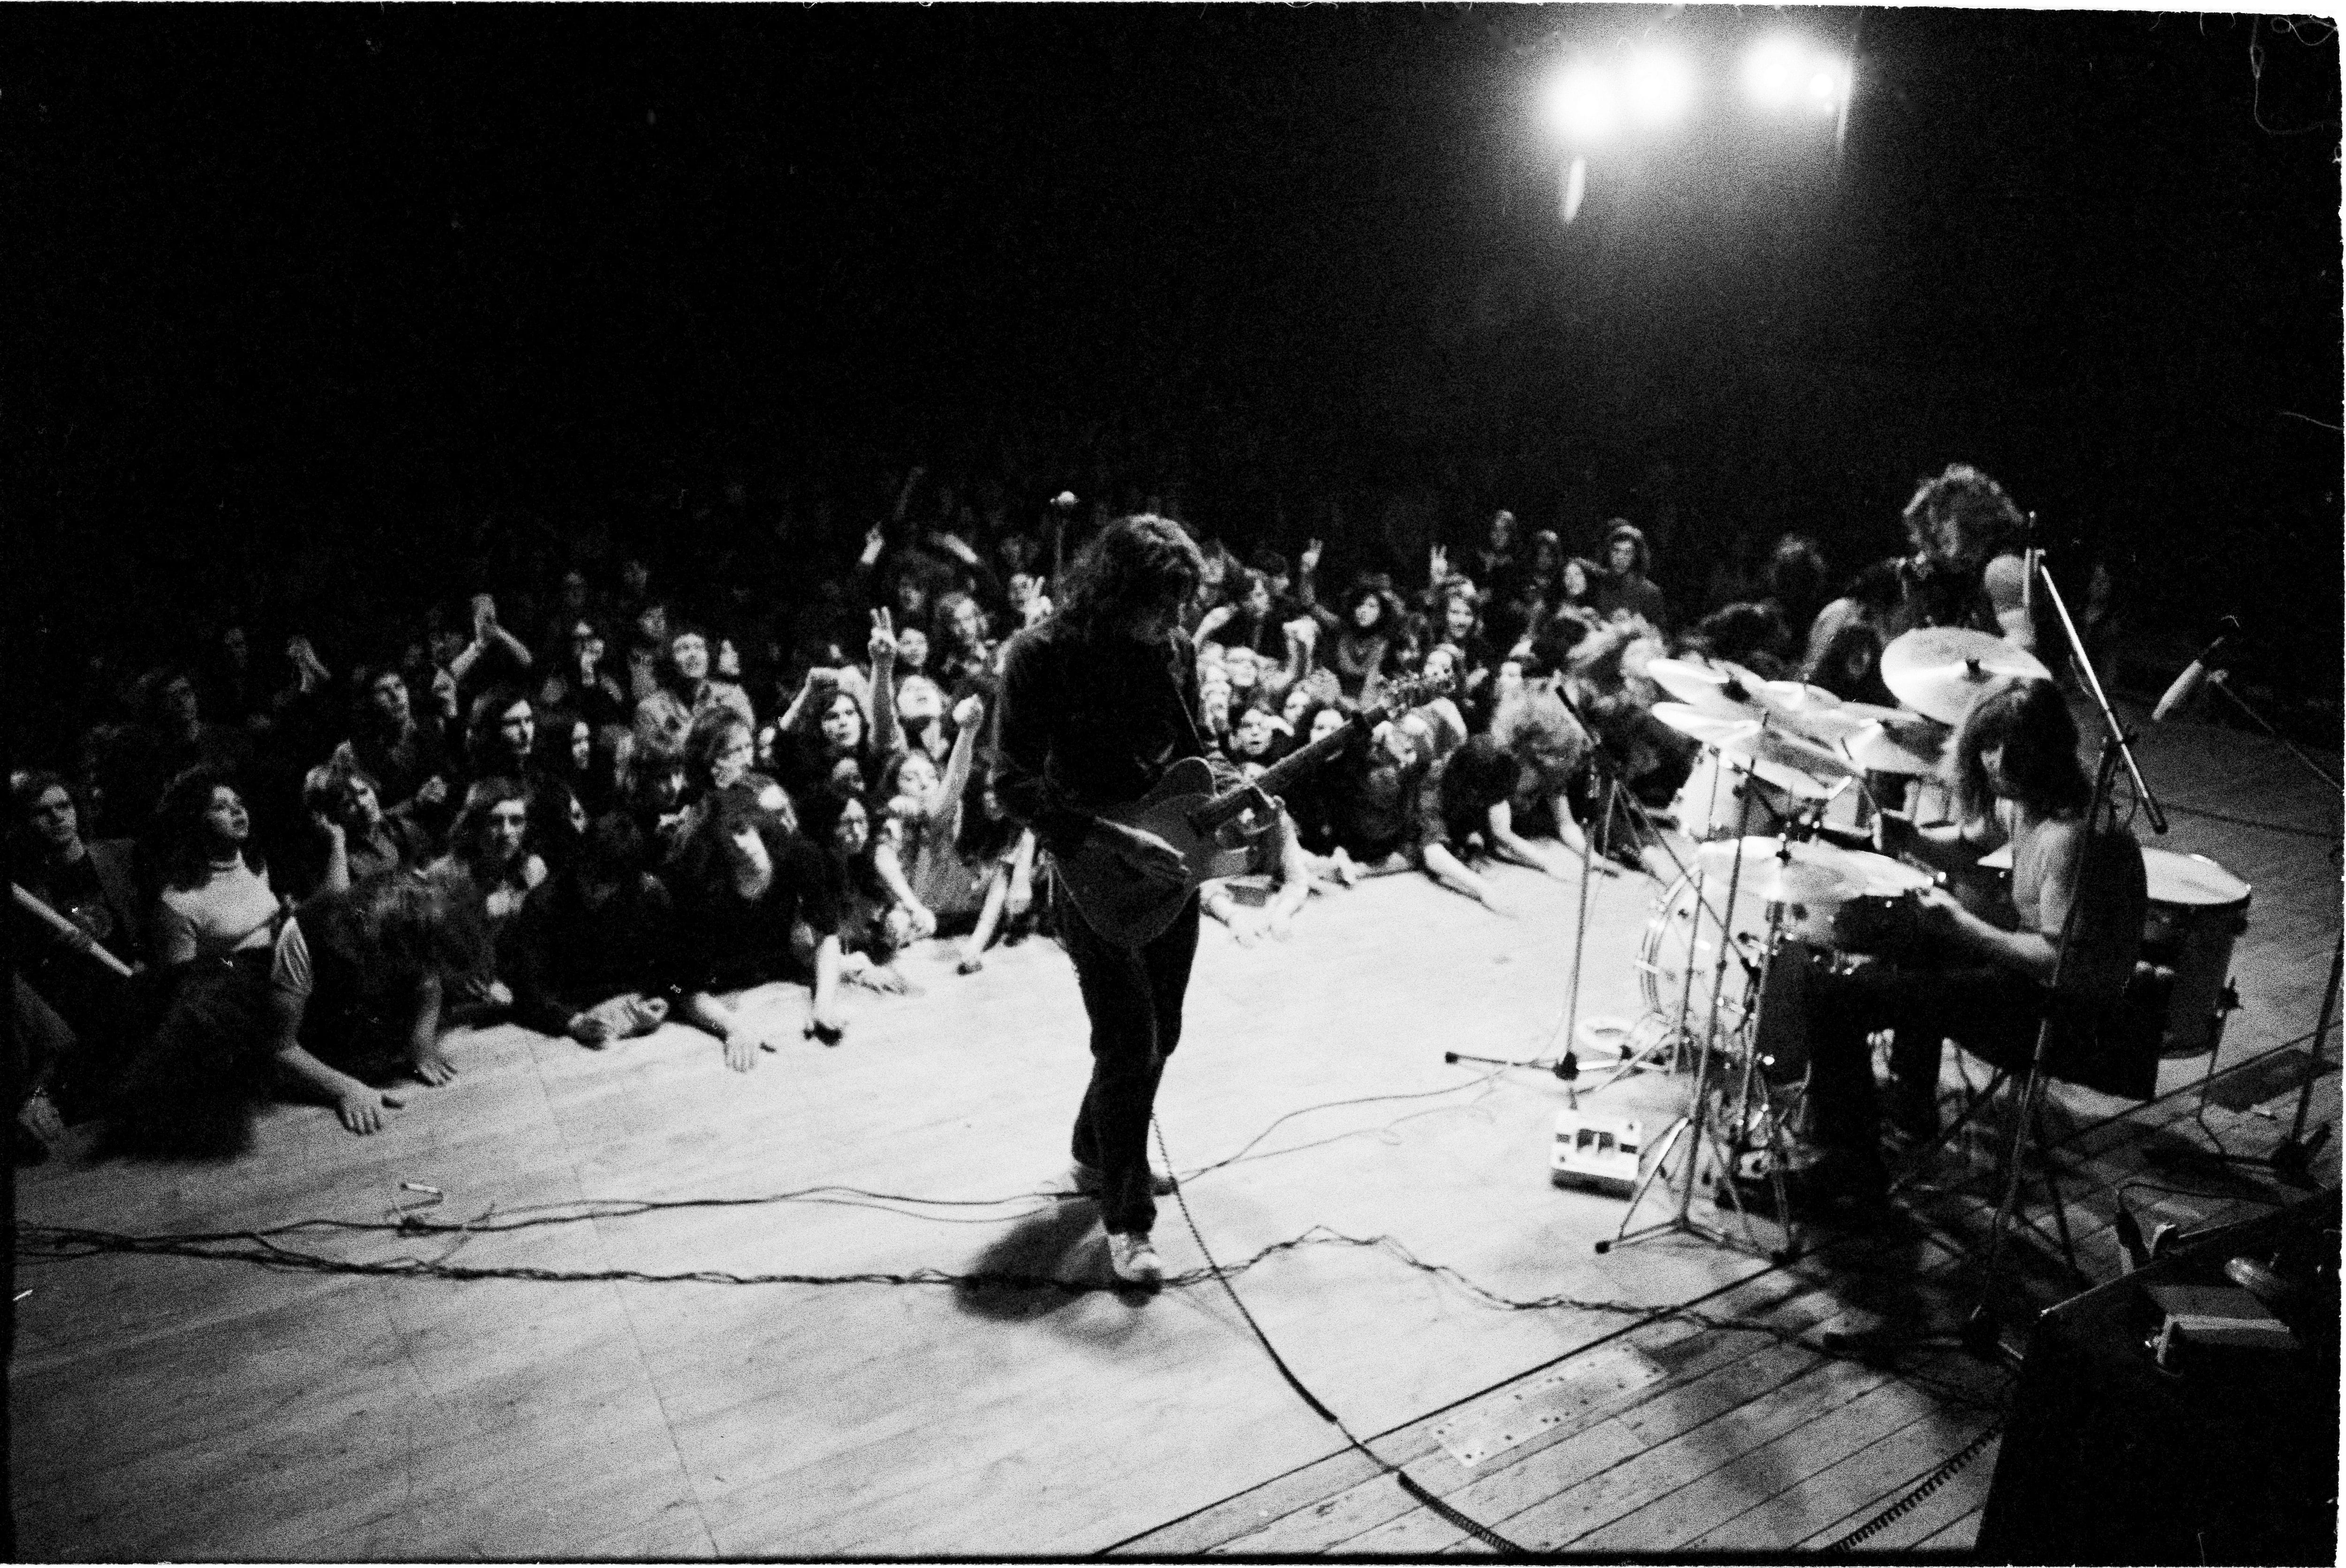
[(1133, 996), (1993, 1012)]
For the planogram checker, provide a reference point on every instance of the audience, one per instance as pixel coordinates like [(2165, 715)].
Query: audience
[(675, 790)]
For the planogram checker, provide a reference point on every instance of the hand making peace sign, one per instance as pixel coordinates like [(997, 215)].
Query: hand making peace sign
[(883, 637)]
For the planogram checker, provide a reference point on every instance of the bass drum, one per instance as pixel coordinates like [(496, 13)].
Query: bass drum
[(1683, 934)]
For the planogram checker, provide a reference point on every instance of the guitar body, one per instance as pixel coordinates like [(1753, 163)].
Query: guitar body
[(1127, 906)]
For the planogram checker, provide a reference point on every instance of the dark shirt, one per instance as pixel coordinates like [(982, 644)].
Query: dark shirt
[(1084, 726), (727, 942), (568, 956)]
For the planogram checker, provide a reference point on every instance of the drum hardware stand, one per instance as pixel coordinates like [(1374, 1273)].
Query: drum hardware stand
[(1694, 1128), (2291, 1159), (1982, 1334), (1617, 797)]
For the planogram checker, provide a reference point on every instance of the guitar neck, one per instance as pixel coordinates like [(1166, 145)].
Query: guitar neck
[(1275, 778)]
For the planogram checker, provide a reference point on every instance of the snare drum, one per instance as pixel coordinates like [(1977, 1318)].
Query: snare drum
[(2198, 909)]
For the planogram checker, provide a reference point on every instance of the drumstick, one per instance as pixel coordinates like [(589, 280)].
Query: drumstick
[(67, 930)]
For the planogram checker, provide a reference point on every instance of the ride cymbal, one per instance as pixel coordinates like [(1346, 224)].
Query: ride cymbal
[(1937, 671)]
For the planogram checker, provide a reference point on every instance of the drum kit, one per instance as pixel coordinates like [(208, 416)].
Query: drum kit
[(1768, 896)]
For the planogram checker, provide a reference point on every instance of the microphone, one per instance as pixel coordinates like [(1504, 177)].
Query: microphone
[(2195, 675)]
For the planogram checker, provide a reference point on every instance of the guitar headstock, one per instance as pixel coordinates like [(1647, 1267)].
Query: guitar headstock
[(1398, 697)]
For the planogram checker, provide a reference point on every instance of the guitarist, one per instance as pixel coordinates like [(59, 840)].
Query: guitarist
[(1098, 701)]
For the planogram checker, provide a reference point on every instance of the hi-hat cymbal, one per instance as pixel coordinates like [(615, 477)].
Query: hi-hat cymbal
[(1938, 670), (1779, 872), (1913, 751), (1715, 687)]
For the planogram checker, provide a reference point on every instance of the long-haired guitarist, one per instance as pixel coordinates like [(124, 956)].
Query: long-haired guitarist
[(1097, 702)]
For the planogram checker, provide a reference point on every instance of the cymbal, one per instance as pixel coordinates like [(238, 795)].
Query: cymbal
[(1938, 670), (1811, 871), (1915, 752), (1715, 687), (1787, 760), (1810, 711)]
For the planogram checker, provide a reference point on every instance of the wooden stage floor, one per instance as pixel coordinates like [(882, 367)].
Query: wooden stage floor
[(577, 1398)]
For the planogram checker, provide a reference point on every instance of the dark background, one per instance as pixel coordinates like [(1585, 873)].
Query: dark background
[(305, 295)]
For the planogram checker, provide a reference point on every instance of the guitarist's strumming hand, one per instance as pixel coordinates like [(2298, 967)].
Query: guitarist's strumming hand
[(1146, 854)]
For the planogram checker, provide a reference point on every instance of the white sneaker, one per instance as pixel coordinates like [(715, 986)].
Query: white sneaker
[(1134, 1260)]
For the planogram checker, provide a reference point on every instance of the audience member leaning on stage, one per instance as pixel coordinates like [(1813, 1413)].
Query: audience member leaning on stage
[(357, 984), (742, 882), (594, 952)]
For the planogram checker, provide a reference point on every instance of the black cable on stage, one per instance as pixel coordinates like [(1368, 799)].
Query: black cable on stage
[(1947, 1472), (1474, 1527)]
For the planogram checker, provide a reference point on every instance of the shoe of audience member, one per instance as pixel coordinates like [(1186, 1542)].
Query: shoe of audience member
[(1134, 1259), (1088, 1180)]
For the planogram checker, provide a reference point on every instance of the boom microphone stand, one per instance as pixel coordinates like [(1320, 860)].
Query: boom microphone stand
[(2291, 1159), (1981, 1332)]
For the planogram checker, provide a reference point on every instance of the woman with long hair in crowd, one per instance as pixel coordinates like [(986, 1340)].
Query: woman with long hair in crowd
[(826, 740), (1371, 644)]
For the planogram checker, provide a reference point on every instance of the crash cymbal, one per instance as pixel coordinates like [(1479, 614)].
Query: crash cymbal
[(1778, 872), (1777, 757), (1913, 751), (1715, 687), (1691, 719), (1938, 670), (1810, 711)]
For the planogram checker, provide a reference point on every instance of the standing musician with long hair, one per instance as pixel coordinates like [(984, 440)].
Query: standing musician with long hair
[(1098, 701)]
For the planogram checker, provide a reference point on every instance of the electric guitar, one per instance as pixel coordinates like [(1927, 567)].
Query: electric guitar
[(1219, 831)]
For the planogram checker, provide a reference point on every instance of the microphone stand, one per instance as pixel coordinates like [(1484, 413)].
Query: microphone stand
[(1981, 1331), (2291, 1159)]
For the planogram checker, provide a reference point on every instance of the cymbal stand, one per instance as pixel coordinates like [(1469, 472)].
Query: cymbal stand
[(1772, 1139), (1694, 1129)]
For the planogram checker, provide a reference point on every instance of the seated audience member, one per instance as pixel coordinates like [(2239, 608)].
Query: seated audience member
[(1370, 644), (1617, 704), (872, 926), (1625, 589), (44, 1049), (964, 651), (94, 884), (503, 744), (652, 793), (826, 742), (354, 838), (493, 657), (406, 753), (579, 680), (1475, 657), (188, 1087), (648, 651), (588, 762), (1316, 799), (216, 901), (1796, 578), (921, 708), (918, 856), (594, 952), (1250, 620), (357, 984), (1375, 786), (686, 692), (741, 885), (492, 867), (1846, 639), (1258, 740), (1494, 560)]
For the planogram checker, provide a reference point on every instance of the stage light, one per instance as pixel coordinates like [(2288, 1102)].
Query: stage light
[(1773, 73), (1829, 86), (1580, 102), (1659, 86)]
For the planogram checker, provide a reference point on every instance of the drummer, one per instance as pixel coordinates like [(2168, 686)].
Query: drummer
[(2014, 774)]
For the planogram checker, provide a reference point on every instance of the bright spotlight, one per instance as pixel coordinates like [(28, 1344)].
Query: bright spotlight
[(1580, 102), (1660, 86), (1773, 72), (1828, 85)]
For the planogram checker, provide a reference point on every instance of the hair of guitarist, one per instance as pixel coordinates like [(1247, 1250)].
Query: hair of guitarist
[(1133, 564)]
